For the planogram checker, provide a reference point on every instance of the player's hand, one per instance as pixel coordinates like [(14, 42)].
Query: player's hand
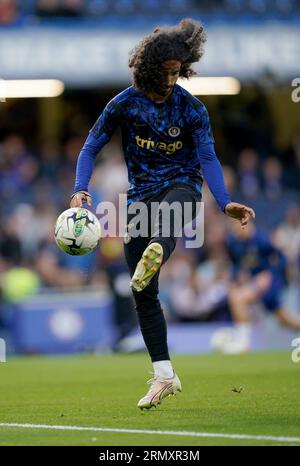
[(239, 212), (79, 198)]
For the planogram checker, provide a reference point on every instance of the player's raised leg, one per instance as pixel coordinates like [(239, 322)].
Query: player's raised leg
[(177, 207), (147, 267)]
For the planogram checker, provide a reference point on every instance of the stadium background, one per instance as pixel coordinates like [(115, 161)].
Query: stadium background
[(51, 302)]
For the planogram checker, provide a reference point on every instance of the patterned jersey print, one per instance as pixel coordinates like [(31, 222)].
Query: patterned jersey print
[(158, 139)]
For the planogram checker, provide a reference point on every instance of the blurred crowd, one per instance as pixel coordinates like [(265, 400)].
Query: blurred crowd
[(15, 11), (35, 187)]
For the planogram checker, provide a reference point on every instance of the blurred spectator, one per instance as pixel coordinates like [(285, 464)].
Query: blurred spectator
[(56, 8), (201, 291), (230, 180), (124, 7), (98, 7), (73, 7), (258, 6), (111, 178), (125, 317), (248, 175), (287, 238), (272, 178), (18, 169), (294, 169), (9, 12), (47, 8), (52, 274), (117, 9), (234, 6), (258, 276), (10, 245), (71, 151), (50, 159)]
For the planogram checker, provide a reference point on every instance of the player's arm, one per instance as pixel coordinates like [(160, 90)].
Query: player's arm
[(99, 135), (278, 263), (287, 319), (212, 170)]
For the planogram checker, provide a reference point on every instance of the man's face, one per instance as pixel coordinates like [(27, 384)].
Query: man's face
[(170, 71)]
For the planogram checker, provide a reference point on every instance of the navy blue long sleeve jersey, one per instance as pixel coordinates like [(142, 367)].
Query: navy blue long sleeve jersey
[(255, 254), (164, 143)]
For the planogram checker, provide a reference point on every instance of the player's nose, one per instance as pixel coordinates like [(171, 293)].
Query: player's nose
[(169, 81), (168, 85)]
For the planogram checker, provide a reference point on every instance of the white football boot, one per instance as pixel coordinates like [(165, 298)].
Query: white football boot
[(160, 389)]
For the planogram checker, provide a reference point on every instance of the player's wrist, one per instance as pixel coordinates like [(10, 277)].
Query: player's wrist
[(225, 206), (82, 191)]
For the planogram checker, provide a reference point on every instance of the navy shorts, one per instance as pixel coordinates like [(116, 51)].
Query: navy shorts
[(272, 297)]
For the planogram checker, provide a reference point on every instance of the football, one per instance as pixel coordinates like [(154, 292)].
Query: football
[(77, 231)]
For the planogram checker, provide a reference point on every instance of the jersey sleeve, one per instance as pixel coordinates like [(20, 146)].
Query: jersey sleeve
[(200, 124), (107, 122), (99, 135)]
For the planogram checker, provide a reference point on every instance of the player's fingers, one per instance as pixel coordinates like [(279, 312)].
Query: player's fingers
[(73, 202), (246, 214), (78, 200), (250, 212), (88, 200), (245, 219)]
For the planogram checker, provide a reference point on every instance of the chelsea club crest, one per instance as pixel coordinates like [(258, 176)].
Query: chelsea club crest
[(174, 131)]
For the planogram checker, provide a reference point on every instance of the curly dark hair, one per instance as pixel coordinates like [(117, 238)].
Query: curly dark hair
[(183, 42)]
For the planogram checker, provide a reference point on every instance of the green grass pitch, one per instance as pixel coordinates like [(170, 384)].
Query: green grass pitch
[(102, 391)]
